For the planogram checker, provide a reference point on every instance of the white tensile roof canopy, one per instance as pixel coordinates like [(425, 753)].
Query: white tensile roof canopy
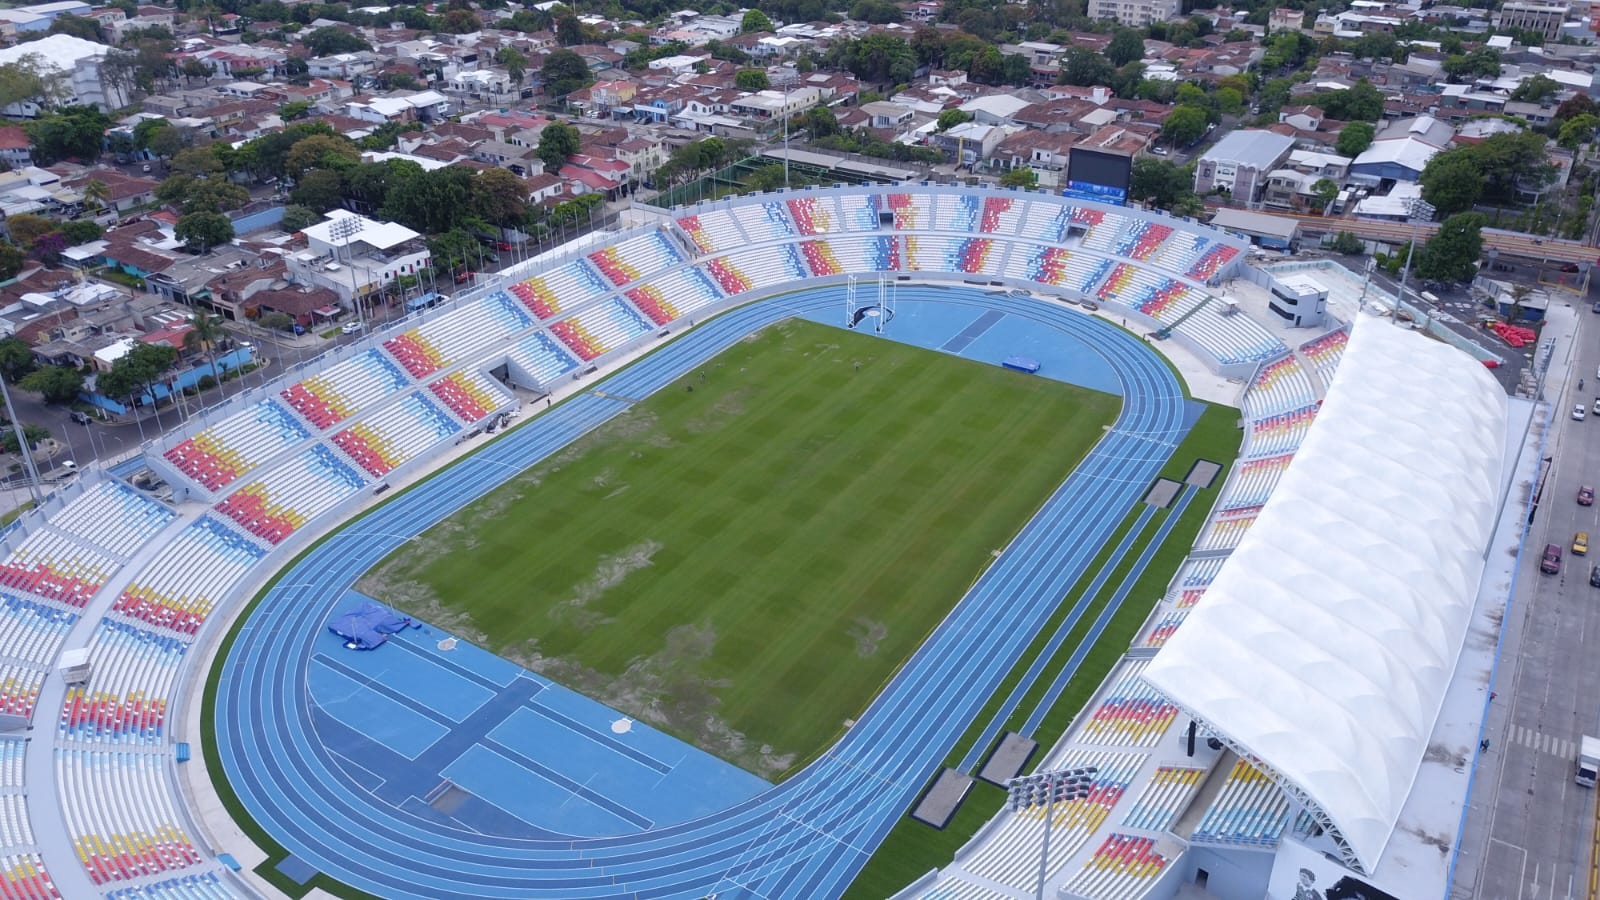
[(1324, 646)]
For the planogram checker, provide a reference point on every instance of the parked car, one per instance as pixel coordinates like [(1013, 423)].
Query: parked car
[(1569, 267), (350, 328), (502, 245), (1577, 411), (464, 277), (1586, 496), (1550, 563), (81, 417), (1594, 577), (1580, 543)]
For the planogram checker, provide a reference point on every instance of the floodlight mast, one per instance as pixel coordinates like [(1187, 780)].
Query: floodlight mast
[(1046, 789)]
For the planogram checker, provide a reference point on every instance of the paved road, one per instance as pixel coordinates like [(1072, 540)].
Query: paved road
[(1540, 823)]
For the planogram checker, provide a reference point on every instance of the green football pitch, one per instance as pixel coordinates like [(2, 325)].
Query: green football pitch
[(746, 557)]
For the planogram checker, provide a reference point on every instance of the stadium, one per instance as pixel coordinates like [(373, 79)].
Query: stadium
[(849, 362)]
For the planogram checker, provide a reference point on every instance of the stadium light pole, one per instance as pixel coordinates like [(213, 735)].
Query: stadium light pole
[(1046, 789), (1418, 210)]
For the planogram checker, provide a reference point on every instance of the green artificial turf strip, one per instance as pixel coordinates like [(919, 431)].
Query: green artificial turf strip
[(911, 848), (744, 558)]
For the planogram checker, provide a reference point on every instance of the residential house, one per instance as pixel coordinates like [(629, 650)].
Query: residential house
[(1042, 151), (969, 143), (16, 151), (354, 256)]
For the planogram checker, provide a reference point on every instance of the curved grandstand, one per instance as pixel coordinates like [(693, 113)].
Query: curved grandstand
[(94, 806)]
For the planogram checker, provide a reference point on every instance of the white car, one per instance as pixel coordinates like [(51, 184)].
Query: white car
[(1577, 412), (350, 328)]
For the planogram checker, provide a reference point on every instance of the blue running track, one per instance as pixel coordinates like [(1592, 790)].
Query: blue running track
[(807, 837)]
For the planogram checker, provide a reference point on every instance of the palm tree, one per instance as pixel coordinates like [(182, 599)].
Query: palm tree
[(95, 194), (204, 333)]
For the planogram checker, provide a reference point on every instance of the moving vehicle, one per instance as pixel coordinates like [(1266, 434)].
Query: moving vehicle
[(1594, 577), (1585, 495), (463, 277), (1580, 543), (1569, 267), (1588, 760), (81, 417), (1597, 406), (350, 328), (1551, 563), (1577, 412)]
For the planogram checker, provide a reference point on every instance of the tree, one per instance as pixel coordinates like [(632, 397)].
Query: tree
[(751, 80), (78, 27), (1453, 251), (1482, 62), (11, 261), (192, 195), (71, 132), (328, 40), (26, 228), (192, 68), (564, 72), (205, 332), (204, 230), (1020, 177), (166, 142), (1348, 244), (569, 31), (1185, 125), (1085, 68), (1537, 89), (1325, 189), (950, 118), (34, 434), (459, 21), (500, 198), (276, 321), (32, 79), (16, 358), (196, 161), (515, 62), (1126, 46), (1577, 130), (557, 142), (1354, 139), (136, 370), (1451, 182), (296, 218), (754, 20), (320, 151), (1576, 105), (319, 190), (294, 109), (1159, 182), (81, 231), (1363, 102), (58, 384)]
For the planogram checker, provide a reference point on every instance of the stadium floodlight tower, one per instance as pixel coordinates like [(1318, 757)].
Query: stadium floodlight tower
[(1046, 789), (341, 231), (1418, 211)]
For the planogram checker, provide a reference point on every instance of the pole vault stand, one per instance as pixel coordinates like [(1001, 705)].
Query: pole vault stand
[(880, 311)]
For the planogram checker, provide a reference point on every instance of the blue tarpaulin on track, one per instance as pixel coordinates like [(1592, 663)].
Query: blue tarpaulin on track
[(367, 626)]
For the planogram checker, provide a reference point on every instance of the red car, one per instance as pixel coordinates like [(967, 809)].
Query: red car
[(1569, 267), (503, 245), (1585, 496), (463, 277)]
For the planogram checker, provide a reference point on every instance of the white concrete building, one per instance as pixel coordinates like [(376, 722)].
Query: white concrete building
[(78, 62), (353, 255), (1137, 13)]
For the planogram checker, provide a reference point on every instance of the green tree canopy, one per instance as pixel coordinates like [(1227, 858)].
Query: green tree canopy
[(72, 132), (329, 40), (58, 384), (1536, 89), (1451, 182), (754, 20), (751, 80), (136, 370), (319, 190), (1325, 190), (204, 230), (1452, 253), (564, 72), (557, 142), (1127, 45), (1020, 177), (320, 151), (500, 198), (1577, 131), (1360, 103), (515, 62), (950, 118), (1085, 68), (1184, 125), (16, 358), (1159, 182), (11, 261), (297, 217), (1354, 139)]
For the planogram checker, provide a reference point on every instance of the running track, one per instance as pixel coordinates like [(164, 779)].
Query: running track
[(807, 837)]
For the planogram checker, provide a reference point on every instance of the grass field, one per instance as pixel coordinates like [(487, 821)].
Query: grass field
[(746, 557)]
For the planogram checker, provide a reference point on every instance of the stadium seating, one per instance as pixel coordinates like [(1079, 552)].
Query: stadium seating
[(204, 886), (471, 396), (819, 258), (1103, 229), (112, 516), (542, 357), (599, 330), (1325, 353), (1250, 810), (1226, 530), (188, 577), (676, 294), (461, 333), (1141, 239), (713, 230), (1164, 628), (859, 212), (1253, 480), (1130, 713), (956, 212), (1046, 222), (1280, 433), (940, 253), (22, 877), (1155, 295), (31, 631), (392, 436), (282, 500), (728, 276), (19, 689), (1123, 867), (50, 565), (227, 450), (133, 676), (1281, 385), (958, 888), (636, 257), (1212, 262), (118, 810), (1164, 796), (330, 397), (813, 215), (765, 221), (1181, 251), (1011, 855), (1001, 215), (1230, 339), (912, 212)]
